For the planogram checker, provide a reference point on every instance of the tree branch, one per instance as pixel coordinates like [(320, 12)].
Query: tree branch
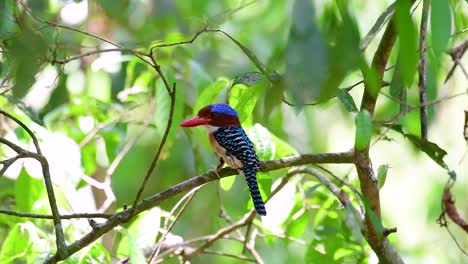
[(152, 201), (60, 238), (379, 244), (423, 68), (43, 216)]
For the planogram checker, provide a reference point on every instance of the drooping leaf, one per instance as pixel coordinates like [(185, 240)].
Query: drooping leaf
[(297, 227), (354, 223), (363, 123), (382, 174), (248, 78), (99, 85), (268, 145), (264, 182), (245, 99), (306, 55), (96, 253), (28, 59), (31, 113), (140, 234), (383, 18), (397, 85), (163, 106), (28, 191), (265, 147), (315, 68), (310, 191), (17, 244), (227, 182), (253, 58), (313, 256), (347, 100), (441, 23), (210, 93), (407, 53), (431, 149)]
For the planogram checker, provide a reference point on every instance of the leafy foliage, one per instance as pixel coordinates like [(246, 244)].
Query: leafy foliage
[(89, 80)]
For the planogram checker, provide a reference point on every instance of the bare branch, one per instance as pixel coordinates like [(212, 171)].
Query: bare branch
[(42, 216), (60, 238), (152, 201), (423, 68)]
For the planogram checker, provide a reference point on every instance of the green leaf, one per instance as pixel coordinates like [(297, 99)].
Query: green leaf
[(248, 78), (363, 130), (354, 223), (253, 58), (313, 256), (315, 69), (227, 182), (31, 113), (162, 109), (28, 191), (268, 145), (96, 253), (265, 148), (136, 253), (16, 245), (397, 85), (436, 153), (347, 100), (382, 174), (441, 22), (29, 50), (209, 94), (306, 56), (297, 227), (310, 191), (408, 46), (99, 85), (383, 18), (265, 182), (375, 220), (244, 99), (7, 21), (140, 234)]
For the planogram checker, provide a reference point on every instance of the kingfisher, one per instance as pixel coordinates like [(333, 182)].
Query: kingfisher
[(231, 144)]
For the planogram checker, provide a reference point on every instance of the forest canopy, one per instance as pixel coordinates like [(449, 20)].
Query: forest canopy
[(357, 111)]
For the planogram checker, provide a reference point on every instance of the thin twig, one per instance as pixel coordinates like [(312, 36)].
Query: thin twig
[(456, 53), (251, 248), (185, 201), (210, 252), (347, 184), (137, 54), (67, 216), (172, 94), (423, 68), (60, 238)]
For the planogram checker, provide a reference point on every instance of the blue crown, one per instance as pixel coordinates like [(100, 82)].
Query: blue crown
[(223, 109)]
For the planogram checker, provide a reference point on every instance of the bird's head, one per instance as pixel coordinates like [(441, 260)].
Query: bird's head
[(216, 115)]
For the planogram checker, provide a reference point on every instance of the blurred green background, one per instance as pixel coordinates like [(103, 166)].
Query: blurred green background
[(88, 111)]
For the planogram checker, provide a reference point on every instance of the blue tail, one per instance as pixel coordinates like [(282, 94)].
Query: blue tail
[(251, 178)]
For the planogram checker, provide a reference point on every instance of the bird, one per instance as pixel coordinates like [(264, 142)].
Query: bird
[(231, 144)]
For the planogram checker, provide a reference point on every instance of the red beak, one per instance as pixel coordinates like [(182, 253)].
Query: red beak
[(196, 121)]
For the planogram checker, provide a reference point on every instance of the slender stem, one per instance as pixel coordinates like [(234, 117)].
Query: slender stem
[(60, 238), (423, 68)]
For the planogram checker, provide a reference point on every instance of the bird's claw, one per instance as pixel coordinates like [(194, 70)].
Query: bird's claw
[(216, 172)]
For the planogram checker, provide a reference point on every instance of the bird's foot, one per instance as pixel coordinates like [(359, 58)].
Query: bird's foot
[(215, 171)]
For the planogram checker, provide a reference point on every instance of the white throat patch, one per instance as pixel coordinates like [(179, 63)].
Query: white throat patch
[(211, 129)]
